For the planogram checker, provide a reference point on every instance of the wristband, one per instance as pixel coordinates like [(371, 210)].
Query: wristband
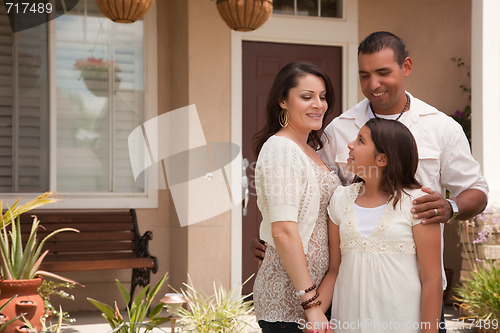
[(303, 292), (454, 209)]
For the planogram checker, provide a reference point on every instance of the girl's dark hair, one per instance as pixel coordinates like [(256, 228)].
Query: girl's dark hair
[(376, 41), (287, 79), (396, 141)]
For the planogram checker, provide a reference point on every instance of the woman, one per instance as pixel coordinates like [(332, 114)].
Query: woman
[(294, 187)]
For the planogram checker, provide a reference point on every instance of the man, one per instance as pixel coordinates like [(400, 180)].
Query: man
[(445, 161)]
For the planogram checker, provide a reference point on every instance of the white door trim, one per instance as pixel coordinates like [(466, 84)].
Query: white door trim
[(296, 30)]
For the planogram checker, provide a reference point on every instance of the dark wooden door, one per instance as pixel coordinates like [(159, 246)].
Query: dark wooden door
[(261, 62)]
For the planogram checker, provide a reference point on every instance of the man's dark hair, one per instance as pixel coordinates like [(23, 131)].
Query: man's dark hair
[(376, 41)]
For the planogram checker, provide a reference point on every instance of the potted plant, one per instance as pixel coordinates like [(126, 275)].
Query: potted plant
[(478, 297), (95, 73), (19, 266), (140, 318), (478, 293), (221, 312)]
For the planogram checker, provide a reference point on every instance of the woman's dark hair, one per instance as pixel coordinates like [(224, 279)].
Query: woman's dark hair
[(287, 79), (396, 141), (379, 40)]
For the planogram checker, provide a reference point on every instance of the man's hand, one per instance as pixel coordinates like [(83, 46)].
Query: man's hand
[(431, 208), (258, 248)]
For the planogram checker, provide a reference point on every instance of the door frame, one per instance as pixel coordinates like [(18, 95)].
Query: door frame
[(293, 30)]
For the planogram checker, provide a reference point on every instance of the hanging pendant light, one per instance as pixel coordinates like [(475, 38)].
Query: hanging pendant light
[(124, 11), (245, 15)]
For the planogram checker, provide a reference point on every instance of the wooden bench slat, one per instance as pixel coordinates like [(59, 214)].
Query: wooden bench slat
[(88, 227), (87, 236), (51, 257), (105, 264), (90, 246)]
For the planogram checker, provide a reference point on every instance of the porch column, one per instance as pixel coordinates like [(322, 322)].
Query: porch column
[(485, 83)]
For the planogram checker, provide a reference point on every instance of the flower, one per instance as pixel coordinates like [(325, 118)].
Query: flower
[(95, 68), (464, 119), (481, 237)]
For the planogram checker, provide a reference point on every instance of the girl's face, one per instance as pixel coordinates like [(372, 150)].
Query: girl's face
[(364, 159), (306, 104)]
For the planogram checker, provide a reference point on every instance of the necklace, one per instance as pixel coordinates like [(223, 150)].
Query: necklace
[(404, 109)]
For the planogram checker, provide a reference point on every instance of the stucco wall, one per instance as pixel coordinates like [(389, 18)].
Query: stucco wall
[(193, 68), (434, 32)]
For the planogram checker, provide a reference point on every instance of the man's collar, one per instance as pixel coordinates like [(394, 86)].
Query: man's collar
[(361, 112)]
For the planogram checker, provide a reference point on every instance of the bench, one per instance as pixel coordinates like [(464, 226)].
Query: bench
[(108, 239)]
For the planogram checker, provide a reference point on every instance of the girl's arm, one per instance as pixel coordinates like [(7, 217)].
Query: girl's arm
[(428, 243), (328, 283), (289, 246)]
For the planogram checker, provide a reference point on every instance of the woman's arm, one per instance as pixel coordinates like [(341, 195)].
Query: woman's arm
[(428, 243), (328, 283), (289, 246)]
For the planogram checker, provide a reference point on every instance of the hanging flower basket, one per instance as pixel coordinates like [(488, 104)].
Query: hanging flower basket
[(124, 11), (95, 74), (245, 15)]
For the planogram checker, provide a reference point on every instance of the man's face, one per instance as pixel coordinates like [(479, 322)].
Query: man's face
[(382, 80)]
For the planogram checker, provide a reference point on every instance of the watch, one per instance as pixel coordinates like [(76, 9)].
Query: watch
[(454, 208)]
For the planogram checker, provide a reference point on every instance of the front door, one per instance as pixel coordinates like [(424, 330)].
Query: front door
[(261, 62)]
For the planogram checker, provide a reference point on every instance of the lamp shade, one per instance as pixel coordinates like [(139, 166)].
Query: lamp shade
[(124, 11), (245, 15)]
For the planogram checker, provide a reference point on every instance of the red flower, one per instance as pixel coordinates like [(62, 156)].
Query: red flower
[(95, 64)]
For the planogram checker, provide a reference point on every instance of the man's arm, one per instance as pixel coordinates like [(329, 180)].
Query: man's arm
[(460, 173), (470, 203)]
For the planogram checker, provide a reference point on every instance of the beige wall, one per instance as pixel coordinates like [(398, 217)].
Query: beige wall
[(193, 68), (434, 32)]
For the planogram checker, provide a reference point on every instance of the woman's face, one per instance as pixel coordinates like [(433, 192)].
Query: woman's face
[(306, 104)]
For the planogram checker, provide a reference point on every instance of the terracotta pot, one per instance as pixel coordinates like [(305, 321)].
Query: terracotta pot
[(246, 15), (28, 301)]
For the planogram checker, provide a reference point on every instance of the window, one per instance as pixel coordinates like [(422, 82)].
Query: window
[(318, 8), (71, 91)]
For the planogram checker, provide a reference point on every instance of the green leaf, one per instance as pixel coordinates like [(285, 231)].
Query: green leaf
[(107, 311), (138, 300), (156, 310), (123, 291), (152, 293)]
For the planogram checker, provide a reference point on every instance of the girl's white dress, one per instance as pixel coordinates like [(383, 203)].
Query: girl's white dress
[(378, 286)]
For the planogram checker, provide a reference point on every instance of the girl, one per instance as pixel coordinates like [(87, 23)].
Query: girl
[(294, 187), (389, 269)]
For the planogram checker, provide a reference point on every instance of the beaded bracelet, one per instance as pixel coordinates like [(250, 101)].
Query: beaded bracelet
[(310, 299), (312, 305), (303, 292)]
